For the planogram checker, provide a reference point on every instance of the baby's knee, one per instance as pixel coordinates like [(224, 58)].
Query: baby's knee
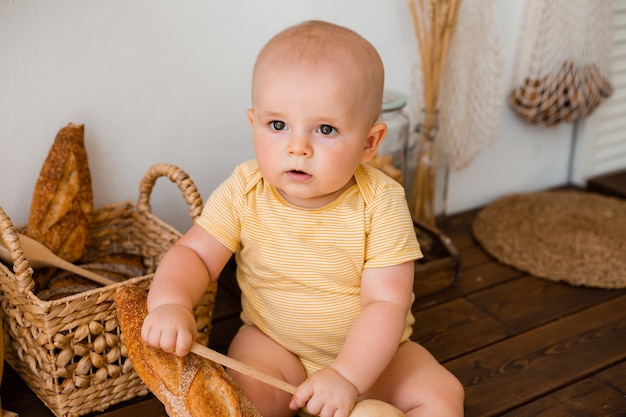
[(456, 392), (447, 396)]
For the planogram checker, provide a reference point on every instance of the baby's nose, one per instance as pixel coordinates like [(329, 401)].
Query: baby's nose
[(300, 145)]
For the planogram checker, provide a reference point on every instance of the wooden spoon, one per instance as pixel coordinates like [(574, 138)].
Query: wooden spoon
[(38, 255), (363, 408)]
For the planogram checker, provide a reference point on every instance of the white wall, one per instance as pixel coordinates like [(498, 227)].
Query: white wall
[(168, 81)]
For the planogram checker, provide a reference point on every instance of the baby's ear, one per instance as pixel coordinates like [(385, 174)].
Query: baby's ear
[(250, 113), (374, 138)]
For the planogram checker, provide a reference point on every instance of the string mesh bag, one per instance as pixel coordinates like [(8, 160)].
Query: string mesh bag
[(561, 71), (472, 86)]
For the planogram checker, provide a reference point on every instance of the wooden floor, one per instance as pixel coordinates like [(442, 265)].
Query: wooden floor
[(521, 346)]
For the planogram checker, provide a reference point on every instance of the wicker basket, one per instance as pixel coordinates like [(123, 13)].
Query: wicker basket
[(69, 351)]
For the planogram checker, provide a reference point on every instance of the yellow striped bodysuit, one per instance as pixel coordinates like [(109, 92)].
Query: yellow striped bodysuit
[(299, 269)]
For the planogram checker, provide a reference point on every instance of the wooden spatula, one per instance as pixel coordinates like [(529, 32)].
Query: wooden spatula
[(39, 255)]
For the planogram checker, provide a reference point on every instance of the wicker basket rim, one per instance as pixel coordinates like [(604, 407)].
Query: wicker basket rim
[(23, 271), (47, 305)]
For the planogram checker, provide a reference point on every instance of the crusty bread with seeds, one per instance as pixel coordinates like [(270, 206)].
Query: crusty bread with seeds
[(190, 386), (62, 202)]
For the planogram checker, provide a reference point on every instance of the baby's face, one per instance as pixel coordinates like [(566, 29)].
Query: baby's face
[(310, 128)]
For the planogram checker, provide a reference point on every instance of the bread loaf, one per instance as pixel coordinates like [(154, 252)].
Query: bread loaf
[(62, 203), (52, 284), (189, 386), (117, 266)]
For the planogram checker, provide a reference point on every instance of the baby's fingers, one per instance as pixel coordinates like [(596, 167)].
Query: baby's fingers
[(302, 395), (151, 333), (167, 338), (183, 343)]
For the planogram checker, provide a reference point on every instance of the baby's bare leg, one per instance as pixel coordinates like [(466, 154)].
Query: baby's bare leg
[(418, 385), (254, 348)]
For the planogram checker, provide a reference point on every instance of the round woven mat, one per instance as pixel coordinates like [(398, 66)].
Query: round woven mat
[(570, 236)]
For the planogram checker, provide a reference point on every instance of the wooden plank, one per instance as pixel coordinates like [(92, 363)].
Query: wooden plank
[(470, 280), (518, 369), (473, 256), (458, 228), (486, 275), (26, 408), (146, 407), (589, 398), (461, 240), (17, 397), (509, 302), (613, 184), (452, 329), (615, 376), (435, 280)]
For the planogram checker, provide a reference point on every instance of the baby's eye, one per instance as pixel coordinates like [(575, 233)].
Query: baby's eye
[(326, 130), (277, 125)]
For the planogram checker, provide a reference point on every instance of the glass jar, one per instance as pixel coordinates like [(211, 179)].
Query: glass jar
[(429, 188), (397, 121)]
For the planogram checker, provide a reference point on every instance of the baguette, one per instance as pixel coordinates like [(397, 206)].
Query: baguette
[(190, 386), (62, 202)]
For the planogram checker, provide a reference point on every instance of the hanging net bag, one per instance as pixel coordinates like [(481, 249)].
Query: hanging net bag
[(561, 69), (472, 90), (472, 85)]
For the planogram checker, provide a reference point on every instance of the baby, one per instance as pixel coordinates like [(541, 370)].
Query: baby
[(325, 245)]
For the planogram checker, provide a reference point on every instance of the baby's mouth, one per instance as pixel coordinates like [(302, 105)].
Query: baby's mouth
[(298, 176)]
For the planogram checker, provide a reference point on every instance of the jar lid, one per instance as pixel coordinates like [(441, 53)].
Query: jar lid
[(393, 100)]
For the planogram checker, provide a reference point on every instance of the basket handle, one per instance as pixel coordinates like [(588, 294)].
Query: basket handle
[(177, 176), (21, 267)]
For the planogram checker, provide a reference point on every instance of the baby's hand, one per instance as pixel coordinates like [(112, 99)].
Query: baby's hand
[(325, 393), (171, 328)]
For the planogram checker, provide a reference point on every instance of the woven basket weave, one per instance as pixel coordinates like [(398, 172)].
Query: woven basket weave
[(69, 351)]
